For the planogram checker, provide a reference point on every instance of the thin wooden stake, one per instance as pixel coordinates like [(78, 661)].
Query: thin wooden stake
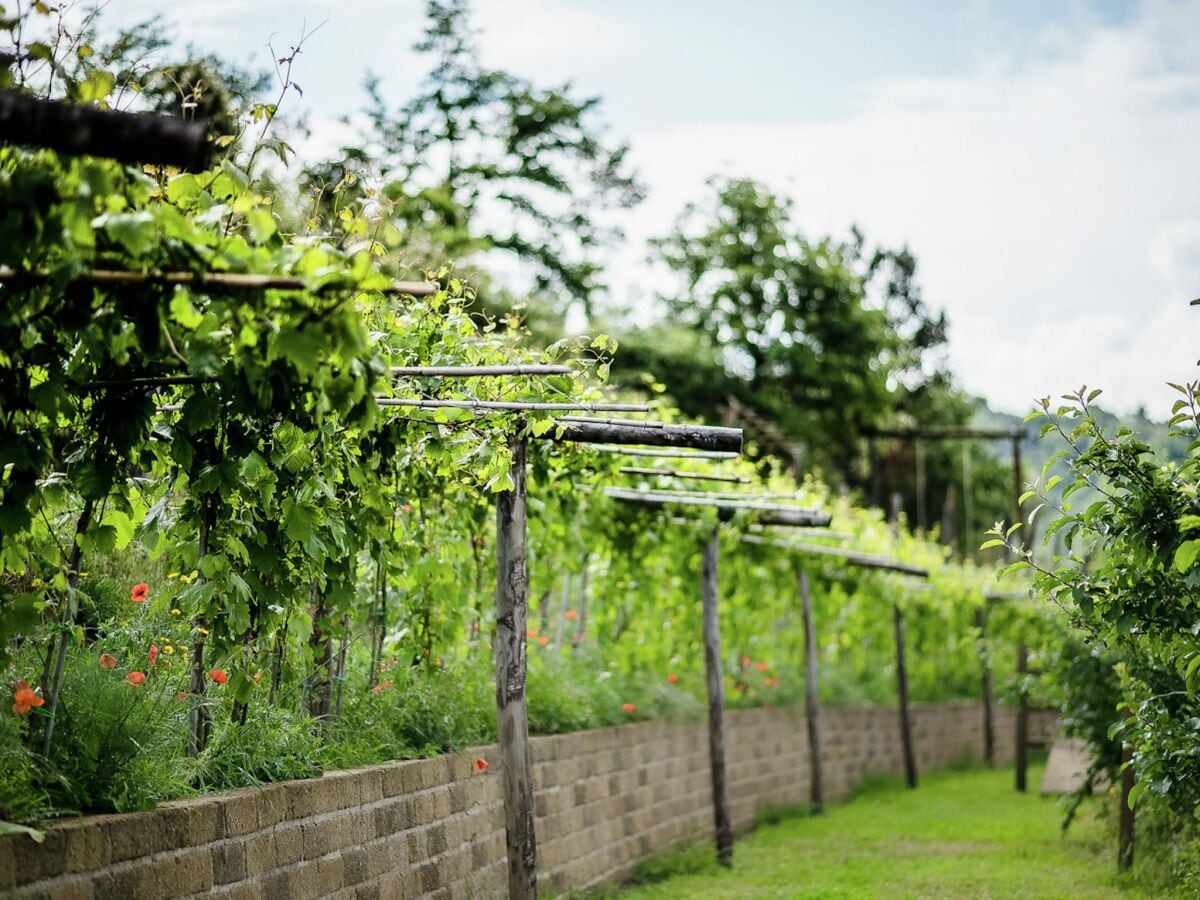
[(910, 760), (722, 818), (989, 727), (1022, 749), (477, 371), (812, 695), (1125, 820), (509, 652)]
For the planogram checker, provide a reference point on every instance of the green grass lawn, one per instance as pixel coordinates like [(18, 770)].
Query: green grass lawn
[(961, 834)]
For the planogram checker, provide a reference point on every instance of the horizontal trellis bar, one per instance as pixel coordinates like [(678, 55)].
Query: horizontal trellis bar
[(478, 371), (850, 557), (945, 433), (727, 495), (697, 437), (242, 281), (513, 405), (665, 454), (677, 473), (772, 514), (634, 422), (127, 137)]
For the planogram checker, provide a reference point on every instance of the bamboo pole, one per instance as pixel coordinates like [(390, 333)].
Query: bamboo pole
[(677, 473), (476, 371), (812, 694), (722, 818), (906, 742), (510, 406), (245, 281), (509, 652)]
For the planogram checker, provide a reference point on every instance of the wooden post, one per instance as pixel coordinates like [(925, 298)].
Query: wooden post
[(1022, 749), (989, 728), (873, 464), (812, 694), (723, 821), (910, 761), (508, 650), (1125, 817), (922, 516), (1018, 487)]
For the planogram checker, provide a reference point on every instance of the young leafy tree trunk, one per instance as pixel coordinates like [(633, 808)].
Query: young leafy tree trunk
[(320, 646), (58, 648), (199, 716)]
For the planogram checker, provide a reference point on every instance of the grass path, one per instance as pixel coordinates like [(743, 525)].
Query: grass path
[(961, 834)]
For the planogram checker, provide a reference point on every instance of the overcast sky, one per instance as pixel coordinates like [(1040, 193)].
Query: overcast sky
[(1039, 159)]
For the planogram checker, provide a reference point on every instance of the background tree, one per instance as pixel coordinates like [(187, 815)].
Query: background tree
[(481, 161)]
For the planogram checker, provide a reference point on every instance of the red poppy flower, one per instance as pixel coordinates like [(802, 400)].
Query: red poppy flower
[(543, 640), (627, 708), (762, 666), (481, 765), (153, 655), (24, 698), (768, 682), (745, 661), (108, 661), (378, 688), (672, 678), (530, 632), (137, 679), (571, 614), (181, 696), (220, 676), (257, 677), (140, 592)]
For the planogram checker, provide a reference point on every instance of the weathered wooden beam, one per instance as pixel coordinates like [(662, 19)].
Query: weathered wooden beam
[(477, 371), (238, 281), (771, 514), (696, 437), (81, 129), (812, 694), (509, 653), (686, 476), (850, 557), (906, 741), (722, 816)]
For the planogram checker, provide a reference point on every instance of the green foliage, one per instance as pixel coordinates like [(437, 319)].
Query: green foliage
[(1127, 580)]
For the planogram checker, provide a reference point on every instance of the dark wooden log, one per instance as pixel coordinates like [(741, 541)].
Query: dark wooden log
[(126, 137), (989, 726), (812, 695), (1022, 737), (697, 437), (910, 760), (1125, 820), (722, 817), (509, 653)]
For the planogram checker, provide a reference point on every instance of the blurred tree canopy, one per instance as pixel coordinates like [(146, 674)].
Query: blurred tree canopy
[(482, 161)]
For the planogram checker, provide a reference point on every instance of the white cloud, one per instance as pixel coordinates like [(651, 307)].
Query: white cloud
[(1052, 208)]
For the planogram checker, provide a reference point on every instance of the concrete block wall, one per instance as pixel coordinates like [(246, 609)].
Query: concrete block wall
[(435, 828)]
